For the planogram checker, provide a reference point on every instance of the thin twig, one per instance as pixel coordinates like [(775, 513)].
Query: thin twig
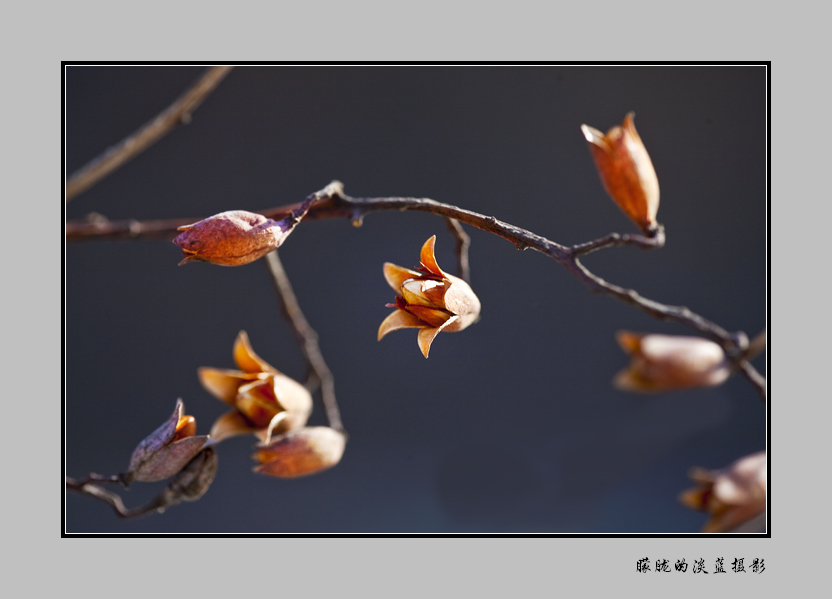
[(177, 113), (114, 500), (189, 484), (307, 339), (333, 203), (754, 377), (757, 346), (616, 239), (463, 242), (100, 478)]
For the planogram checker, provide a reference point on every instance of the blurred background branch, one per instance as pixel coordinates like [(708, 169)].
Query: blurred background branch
[(178, 113)]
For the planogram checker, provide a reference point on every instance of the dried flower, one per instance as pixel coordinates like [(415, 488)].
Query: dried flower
[(167, 449), (430, 300), (732, 496), (301, 452), (264, 400), (665, 363), (231, 238), (626, 171)]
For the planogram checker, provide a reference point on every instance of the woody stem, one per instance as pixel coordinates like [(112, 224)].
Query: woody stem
[(176, 114), (114, 499), (332, 202), (463, 242), (306, 337)]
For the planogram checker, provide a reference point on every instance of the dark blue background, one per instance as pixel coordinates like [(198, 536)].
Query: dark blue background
[(511, 425)]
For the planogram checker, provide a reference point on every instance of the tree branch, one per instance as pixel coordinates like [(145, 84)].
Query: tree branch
[(463, 242), (757, 346), (307, 339), (114, 500), (333, 203), (189, 484), (177, 113)]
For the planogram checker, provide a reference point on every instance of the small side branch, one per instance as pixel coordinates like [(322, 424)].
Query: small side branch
[(189, 484), (307, 338), (617, 239), (463, 242), (114, 499), (99, 478), (754, 377), (177, 113), (757, 346)]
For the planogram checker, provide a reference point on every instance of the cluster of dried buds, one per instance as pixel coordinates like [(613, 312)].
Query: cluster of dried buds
[(274, 408)]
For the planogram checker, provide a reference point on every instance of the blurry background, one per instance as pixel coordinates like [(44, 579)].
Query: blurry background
[(511, 425)]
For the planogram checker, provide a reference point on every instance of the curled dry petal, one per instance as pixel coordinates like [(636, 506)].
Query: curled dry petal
[(732, 496), (669, 362), (223, 384), (301, 452), (230, 424), (166, 450), (626, 171), (246, 359), (428, 299)]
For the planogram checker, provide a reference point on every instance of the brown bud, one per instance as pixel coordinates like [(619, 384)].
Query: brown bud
[(732, 496), (429, 299), (232, 238), (166, 450), (669, 362), (192, 482), (626, 171), (301, 452), (265, 401)]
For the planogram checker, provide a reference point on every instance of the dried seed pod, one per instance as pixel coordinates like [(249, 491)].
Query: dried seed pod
[(669, 362), (265, 401), (300, 453), (192, 482), (626, 171), (732, 496), (429, 299), (166, 450), (232, 238)]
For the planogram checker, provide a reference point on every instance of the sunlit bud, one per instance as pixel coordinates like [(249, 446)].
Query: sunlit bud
[(626, 171), (192, 482), (429, 300), (302, 452), (666, 362), (232, 238), (733, 496), (167, 449), (265, 401)]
